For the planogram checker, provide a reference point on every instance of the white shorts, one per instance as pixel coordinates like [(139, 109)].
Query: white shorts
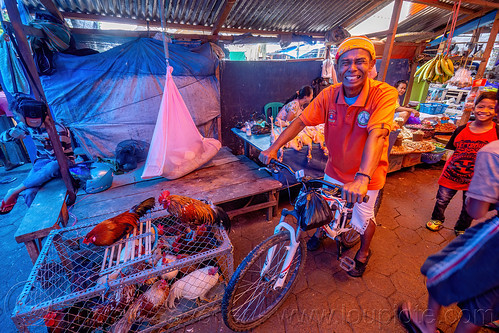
[(362, 213)]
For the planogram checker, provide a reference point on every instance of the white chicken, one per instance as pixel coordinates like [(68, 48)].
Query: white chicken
[(194, 285)]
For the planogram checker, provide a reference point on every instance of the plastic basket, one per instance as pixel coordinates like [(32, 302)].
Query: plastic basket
[(432, 108), (433, 156), (440, 108)]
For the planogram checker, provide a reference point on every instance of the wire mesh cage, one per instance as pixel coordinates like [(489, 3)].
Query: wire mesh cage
[(164, 275)]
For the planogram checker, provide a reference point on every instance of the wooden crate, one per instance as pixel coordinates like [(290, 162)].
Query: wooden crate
[(411, 160), (395, 162)]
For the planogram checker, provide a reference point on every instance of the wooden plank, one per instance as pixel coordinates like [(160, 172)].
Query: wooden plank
[(33, 250), (224, 13), (387, 52), (202, 28), (52, 9), (488, 48), (217, 194), (483, 3), (146, 186), (356, 18), (43, 215), (441, 5)]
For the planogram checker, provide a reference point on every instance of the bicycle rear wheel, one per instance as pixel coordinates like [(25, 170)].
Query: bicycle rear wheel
[(250, 299)]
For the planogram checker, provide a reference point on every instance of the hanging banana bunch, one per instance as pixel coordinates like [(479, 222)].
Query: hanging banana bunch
[(439, 69)]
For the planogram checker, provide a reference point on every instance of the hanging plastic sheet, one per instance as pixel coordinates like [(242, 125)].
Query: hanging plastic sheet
[(176, 148), (114, 96)]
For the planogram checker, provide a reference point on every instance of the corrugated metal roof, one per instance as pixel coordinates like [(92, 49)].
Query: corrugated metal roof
[(305, 16)]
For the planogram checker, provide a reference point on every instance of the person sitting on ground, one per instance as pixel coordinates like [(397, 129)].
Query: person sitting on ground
[(465, 271), (45, 167), (456, 175), (294, 106), (402, 111), (358, 116)]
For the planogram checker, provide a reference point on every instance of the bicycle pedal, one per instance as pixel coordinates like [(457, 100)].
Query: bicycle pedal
[(347, 263)]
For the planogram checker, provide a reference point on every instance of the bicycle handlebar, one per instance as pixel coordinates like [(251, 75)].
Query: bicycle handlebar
[(299, 177)]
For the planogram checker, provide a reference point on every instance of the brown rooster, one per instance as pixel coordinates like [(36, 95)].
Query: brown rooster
[(111, 230), (146, 306), (192, 211)]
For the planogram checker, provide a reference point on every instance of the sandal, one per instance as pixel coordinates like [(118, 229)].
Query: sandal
[(7, 208), (360, 267), (404, 316), (434, 225)]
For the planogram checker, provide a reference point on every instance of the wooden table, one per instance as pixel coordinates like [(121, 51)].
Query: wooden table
[(296, 159), (225, 180)]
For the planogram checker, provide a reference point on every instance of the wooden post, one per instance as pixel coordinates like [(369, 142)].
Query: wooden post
[(36, 85), (387, 52), (488, 48), (414, 67), (52, 9)]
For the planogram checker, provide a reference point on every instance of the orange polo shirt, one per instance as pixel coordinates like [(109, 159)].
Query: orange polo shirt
[(347, 127)]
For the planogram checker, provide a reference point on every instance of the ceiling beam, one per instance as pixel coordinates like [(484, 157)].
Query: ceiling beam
[(441, 5), (353, 20), (463, 21), (387, 52), (224, 13), (52, 9), (483, 3), (202, 28)]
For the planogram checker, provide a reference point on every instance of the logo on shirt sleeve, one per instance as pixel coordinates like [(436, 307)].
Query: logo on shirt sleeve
[(332, 115), (363, 119)]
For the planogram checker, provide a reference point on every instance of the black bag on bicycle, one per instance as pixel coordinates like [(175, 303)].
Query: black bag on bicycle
[(313, 211)]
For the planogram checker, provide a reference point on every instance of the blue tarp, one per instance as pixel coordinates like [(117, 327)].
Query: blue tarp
[(113, 96)]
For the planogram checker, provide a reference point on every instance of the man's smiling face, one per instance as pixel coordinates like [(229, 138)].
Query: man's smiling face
[(353, 67)]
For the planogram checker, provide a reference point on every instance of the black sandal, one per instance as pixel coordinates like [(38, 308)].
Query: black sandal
[(360, 267)]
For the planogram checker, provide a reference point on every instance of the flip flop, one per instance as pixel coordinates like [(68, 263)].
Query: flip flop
[(404, 317), (7, 208), (6, 180)]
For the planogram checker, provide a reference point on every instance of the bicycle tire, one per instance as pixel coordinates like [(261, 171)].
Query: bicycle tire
[(233, 311), (352, 237)]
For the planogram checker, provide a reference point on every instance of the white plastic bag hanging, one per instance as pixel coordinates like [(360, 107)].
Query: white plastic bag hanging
[(177, 148)]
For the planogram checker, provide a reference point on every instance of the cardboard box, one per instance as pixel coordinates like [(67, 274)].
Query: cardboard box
[(395, 162), (411, 159)]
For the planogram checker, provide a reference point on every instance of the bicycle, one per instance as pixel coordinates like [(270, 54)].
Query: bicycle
[(263, 280)]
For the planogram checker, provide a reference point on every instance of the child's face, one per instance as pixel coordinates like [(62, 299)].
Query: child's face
[(485, 110)]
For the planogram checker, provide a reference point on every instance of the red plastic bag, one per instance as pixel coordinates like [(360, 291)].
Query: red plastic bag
[(177, 148)]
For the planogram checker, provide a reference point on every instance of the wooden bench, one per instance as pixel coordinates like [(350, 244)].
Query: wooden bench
[(47, 212), (236, 178)]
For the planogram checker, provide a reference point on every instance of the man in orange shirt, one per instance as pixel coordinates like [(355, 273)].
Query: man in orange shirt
[(358, 114)]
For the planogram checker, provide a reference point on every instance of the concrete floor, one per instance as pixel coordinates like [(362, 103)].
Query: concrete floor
[(325, 298)]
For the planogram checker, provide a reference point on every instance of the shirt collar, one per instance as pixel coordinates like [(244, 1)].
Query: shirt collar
[(361, 100)]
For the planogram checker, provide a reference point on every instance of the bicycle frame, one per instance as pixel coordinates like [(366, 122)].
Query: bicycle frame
[(339, 226), (294, 240)]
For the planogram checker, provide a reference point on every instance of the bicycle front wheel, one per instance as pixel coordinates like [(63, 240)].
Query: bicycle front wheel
[(250, 298)]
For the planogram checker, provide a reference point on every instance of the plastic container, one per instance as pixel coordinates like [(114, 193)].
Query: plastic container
[(432, 108), (433, 156)]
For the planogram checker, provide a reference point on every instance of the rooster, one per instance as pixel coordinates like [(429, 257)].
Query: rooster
[(194, 285), (192, 211), (145, 306), (112, 230)]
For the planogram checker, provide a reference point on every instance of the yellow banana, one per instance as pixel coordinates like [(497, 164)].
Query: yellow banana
[(445, 68), (450, 64), (433, 72), (420, 69), (438, 70), (428, 69)]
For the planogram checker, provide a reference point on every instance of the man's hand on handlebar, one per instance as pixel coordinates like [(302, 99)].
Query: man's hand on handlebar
[(267, 155), (354, 192)]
